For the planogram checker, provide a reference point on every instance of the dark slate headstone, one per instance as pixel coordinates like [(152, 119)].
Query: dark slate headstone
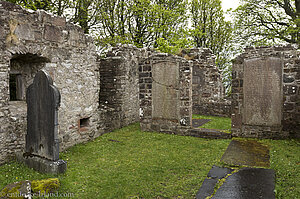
[(42, 145)]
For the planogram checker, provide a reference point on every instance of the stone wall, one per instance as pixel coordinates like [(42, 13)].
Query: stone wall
[(265, 93), (208, 89), (119, 88), (31, 41), (221, 108), (165, 94)]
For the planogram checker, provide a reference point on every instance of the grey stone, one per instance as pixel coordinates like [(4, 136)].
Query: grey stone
[(262, 102), (246, 153), (248, 183), (45, 42), (218, 172), (263, 91), (52, 33), (199, 122), (43, 165), (166, 94), (165, 91), (208, 133), (288, 79), (16, 190), (207, 188), (42, 144), (23, 31), (43, 100)]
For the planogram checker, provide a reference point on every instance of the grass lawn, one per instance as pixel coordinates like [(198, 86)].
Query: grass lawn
[(220, 123), (139, 165), (128, 163), (285, 160)]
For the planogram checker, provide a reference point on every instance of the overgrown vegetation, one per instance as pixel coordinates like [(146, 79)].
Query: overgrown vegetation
[(221, 123)]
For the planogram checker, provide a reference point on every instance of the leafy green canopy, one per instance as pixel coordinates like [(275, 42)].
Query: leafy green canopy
[(211, 30), (268, 22), (168, 25)]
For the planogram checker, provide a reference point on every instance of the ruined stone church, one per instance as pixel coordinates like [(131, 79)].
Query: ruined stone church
[(137, 85)]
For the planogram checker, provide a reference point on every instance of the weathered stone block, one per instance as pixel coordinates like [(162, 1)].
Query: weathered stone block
[(24, 31), (52, 33)]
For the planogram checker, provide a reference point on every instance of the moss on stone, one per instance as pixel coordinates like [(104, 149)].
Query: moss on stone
[(45, 186), (12, 191)]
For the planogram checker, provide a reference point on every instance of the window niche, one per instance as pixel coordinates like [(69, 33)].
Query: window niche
[(16, 87), (83, 124), (23, 68)]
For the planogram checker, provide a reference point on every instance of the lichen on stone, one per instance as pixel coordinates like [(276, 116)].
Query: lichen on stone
[(45, 186)]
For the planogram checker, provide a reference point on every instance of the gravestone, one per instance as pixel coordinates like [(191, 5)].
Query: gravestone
[(263, 91), (42, 145), (165, 94), (165, 91)]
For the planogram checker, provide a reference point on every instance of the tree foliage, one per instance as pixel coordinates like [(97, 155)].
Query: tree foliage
[(268, 22), (34, 4), (210, 29), (141, 22)]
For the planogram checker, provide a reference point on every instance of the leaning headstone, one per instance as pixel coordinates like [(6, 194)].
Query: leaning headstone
[(42, 145)]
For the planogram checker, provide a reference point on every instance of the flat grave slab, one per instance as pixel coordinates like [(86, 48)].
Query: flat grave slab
[(216, 173), (246, 153), (248, 183), (199, 122)]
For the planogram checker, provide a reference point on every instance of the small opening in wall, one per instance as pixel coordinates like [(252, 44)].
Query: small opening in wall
[(84, 122), (16, 88)]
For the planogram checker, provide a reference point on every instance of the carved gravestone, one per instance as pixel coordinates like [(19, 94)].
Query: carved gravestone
[(165, 91), (262, 92), (42, 145)]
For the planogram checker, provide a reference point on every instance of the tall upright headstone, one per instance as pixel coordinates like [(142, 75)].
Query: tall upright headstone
[(265, 93), (42, 145), (166, 94)]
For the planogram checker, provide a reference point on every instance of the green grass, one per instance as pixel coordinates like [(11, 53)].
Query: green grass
[(220, 123), (285, 160), (152, 165), (141, 165)]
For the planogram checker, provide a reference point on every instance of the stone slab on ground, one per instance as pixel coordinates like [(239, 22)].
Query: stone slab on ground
[(246, 153), (219, 172), (208, 185), (209, 133), (248, 183), (199, 122)]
